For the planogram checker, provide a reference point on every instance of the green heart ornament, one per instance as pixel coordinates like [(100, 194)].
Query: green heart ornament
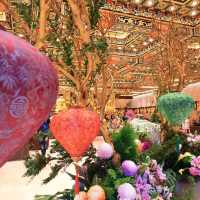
[(175, 107)]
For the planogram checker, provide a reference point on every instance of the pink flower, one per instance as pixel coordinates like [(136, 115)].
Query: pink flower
[(194, 171), (196, 162), (130, 114)]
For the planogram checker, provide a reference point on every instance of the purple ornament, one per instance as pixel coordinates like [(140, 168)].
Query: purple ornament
[(126, 192), (129, 168), (105, 151)]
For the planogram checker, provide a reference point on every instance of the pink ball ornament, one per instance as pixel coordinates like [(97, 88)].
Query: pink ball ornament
[(28, 90), (105, 151), (96, 192), (129, 168), (126, 192), (145, 145)]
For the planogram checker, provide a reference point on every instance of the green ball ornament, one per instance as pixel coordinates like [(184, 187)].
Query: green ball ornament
[(175, 107)]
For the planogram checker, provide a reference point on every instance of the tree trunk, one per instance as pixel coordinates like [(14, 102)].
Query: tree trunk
[(42, 23)]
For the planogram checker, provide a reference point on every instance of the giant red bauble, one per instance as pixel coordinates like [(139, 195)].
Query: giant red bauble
[(75, 129), (28, 90)]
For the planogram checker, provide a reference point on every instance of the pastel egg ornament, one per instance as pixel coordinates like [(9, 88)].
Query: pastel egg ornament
[(96, 192), (129, 168), (105, 151), (28, 91), (126, 192)]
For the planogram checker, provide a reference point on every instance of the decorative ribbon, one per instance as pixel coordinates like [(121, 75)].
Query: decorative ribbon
[(76, 187)]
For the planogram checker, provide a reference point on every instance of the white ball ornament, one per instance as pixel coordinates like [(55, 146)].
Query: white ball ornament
[(126, 192)]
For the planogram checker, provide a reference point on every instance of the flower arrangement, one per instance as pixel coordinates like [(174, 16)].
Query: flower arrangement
[(193, 139), (132, 179), (195, 166)]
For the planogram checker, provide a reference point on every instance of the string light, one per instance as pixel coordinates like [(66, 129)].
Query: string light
[(172, 8), (150, 39), (193, 13), (150, 3), (145, 43)]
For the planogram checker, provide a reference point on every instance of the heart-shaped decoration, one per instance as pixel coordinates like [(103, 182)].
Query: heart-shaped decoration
[(75, 130), (175, 107), (28, 90)]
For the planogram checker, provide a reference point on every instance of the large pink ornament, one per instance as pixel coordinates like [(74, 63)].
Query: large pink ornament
[(28, 90)]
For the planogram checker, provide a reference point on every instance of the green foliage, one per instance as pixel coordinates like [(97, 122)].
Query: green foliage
[(162, 152), (94, 6), (67, 54), (124, 143), (171, 180), (112, 181), (38, 162), (66, 194), (155, 118), (29, 12), (54, 171), (175, 107), (101, 45), (40, 135), (35, 164), (62, 155)]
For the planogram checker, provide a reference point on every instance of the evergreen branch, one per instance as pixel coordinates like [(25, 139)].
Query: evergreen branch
[(35, 164), (54, 172)]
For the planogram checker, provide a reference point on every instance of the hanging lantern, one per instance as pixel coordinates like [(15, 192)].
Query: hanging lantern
[(75, 129), (175, 107), (28, 90)]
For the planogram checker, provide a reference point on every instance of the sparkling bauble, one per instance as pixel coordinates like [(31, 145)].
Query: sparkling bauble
[(81, 196), (126, 192), (129, 168), (75, 129), (28, 90), (105, 151), (96, 192)]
